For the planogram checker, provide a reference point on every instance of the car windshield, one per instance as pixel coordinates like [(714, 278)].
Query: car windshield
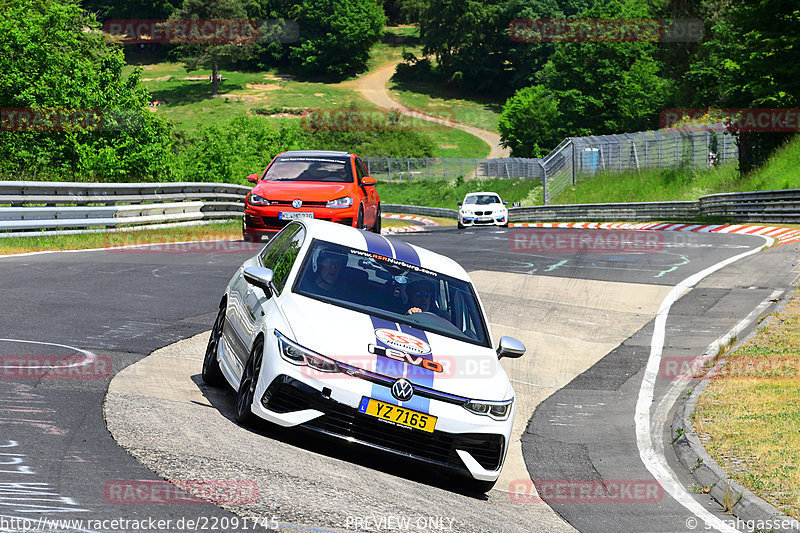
[(393, 290), (308, 168), (482, 199)]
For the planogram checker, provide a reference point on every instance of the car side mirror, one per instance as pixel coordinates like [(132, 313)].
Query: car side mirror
[(253, 178), (459, 204), (368, 180), (262, 278), (505, 203), (510, 347)]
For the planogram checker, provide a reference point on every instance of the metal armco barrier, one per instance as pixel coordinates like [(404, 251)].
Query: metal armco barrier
[(46, 208), (43, 208), (776, 207)]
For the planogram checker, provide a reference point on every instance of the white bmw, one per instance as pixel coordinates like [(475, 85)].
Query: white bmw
[(482, 209), (369, 339)]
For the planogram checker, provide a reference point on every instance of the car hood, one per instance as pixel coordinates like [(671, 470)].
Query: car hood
[(303, 190), (467, 369)]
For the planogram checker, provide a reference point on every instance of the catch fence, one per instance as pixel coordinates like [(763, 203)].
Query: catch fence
[(577, 158)]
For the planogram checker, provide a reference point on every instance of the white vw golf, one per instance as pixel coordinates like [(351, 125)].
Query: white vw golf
[(482, 209), (368, 339)]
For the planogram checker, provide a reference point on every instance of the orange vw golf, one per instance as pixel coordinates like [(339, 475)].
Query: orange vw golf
[(325, 185)]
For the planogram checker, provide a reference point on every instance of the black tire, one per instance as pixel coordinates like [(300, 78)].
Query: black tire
[(247, 385), (249, 236), (376, 227), (360, 219), (212, 374), (460, 225)]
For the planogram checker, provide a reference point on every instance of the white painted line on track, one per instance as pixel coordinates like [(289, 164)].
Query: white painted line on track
[(90, 357), (652, 458)]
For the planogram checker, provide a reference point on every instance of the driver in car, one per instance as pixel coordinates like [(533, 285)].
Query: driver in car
[(420, 296)]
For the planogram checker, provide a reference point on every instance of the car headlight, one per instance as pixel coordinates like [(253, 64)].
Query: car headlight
[(495, 410), (340, 203), (258, 200), (465, 212), (297, 355)]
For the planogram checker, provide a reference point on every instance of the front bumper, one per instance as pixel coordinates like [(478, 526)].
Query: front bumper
[(267, 219), (476, 455), (484, 220)]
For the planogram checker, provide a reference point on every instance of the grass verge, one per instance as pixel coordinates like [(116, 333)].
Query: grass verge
[(748, 418), (394, 222), (439, 193), (208, 232), (660, 185)]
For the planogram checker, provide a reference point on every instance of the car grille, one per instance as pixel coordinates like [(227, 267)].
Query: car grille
[(286, 394), (305, 204), (482, 213)]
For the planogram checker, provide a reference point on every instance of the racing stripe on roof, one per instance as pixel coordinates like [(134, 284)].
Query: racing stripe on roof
[(406, 253), (378, 245)]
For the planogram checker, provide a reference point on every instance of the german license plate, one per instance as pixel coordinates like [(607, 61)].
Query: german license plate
[(293, 215), (399, 415)]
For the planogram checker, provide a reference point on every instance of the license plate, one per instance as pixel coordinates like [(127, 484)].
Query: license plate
[(290, 215), (399, 415)]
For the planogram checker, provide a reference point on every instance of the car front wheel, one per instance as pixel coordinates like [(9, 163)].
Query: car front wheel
[(376, 227), (360, 219), (212, 375), (247, 386)]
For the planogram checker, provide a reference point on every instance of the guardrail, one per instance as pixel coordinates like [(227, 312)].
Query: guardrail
[(776, 207), (46, 208)]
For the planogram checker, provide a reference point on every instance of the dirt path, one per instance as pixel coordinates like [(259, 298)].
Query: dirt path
[(373, 87)]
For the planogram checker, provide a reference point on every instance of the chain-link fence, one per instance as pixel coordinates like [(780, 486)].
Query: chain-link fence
[(576, 158)]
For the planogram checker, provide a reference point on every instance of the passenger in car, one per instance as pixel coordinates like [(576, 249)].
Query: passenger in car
[(329, 266)]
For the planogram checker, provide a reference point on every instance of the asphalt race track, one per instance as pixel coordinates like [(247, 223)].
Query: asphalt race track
[(587, 318)]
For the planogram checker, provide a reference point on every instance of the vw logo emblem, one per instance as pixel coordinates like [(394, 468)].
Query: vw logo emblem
[(297, 204), (402, 390)]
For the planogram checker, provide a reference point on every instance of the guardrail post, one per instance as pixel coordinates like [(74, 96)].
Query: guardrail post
[(544, 184), (389, 168), (574, 159)]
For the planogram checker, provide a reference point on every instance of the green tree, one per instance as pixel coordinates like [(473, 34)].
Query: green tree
[(750, 58), (529, 123), (202, 52), (336, 35), (609, 87), (58, 68)]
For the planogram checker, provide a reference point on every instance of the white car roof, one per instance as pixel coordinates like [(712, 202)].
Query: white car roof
[(372, 242)]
